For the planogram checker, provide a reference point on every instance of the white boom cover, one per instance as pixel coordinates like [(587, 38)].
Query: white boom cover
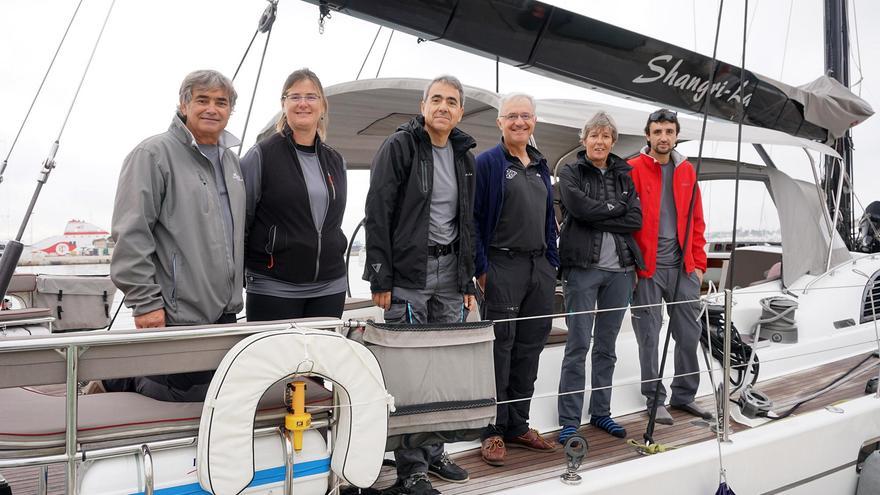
[(225, 448)]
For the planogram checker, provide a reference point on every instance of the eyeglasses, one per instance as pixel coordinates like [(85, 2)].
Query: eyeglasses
[(512, 117), (664, 115), (296, 98)]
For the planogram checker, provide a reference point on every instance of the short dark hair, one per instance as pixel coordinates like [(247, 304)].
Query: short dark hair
[(663, 115), (445, 79)]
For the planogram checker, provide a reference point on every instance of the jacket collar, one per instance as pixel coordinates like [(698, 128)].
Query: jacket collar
[(179, 130), (287, 132), (675, 157), (461, 141), (615, 163), (534, 155)]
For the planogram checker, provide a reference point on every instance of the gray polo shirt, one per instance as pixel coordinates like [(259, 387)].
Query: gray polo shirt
[(212, 152), (609, 260), (443, 227), (316, 185), (668, 248)]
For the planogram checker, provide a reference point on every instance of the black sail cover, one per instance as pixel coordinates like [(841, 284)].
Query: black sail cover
[(574, 48)]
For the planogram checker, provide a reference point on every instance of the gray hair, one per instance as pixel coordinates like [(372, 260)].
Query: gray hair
[(445, 79), (600, 120), (509, 97), (209, 79)]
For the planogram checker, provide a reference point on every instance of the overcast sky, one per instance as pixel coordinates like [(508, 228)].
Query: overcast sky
[(130, 92)]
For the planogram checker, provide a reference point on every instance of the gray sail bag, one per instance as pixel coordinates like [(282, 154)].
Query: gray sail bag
[(77, 302), (442, 377)]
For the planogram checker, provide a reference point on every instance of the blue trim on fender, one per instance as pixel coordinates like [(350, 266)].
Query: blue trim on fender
[(262, 477)]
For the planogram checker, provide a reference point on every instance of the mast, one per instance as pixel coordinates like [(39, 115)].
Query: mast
[(837, 66)]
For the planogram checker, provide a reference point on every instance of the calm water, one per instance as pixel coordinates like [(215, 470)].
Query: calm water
[(359, 288)]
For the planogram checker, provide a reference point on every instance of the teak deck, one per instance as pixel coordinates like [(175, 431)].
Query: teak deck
[(523, 466)]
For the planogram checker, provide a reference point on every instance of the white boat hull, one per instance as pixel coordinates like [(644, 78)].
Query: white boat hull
[(175, 470)]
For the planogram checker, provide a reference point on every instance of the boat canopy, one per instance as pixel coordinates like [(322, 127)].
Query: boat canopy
[(363, 113), (800, 205)]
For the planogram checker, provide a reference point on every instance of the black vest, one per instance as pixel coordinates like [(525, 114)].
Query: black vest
[(283, 241)]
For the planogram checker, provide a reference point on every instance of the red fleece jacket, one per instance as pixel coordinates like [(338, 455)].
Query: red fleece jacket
[(647, 176)]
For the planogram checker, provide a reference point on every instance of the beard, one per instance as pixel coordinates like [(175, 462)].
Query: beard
[(656, 148)]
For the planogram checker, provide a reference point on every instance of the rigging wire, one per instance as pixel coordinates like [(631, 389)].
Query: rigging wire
[(382, 62), (246, 51), (367, 56), (858, 57), (267, 21), (85, 71), (752, 20), (652, 417), (37, 94), (787, 33), (49, 163), (739, 126)]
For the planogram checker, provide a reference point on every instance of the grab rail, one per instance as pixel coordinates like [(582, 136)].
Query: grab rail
[(74, 345)]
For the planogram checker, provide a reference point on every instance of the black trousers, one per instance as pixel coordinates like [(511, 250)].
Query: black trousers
[(517, 284), (176, 387), (269, 308)]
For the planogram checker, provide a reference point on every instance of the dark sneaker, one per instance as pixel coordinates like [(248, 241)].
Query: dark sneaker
[(414, 484), (446, 469)]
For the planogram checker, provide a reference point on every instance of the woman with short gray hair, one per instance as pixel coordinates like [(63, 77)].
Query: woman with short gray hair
[(598, 257)]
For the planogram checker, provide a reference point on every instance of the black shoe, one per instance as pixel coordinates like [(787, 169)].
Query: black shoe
[(446, 469), (695, 410), (415, 484)]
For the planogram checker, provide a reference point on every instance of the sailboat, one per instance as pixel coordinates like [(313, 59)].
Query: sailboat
[(829, 347)]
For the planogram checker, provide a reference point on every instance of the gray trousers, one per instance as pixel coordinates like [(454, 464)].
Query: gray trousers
[(684, 327), (587, 289), (439, 302)]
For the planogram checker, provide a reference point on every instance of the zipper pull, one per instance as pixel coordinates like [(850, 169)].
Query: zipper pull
[(332, 185)]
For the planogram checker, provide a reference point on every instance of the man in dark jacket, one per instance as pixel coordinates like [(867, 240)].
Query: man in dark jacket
[(419, 239), (516, 262)]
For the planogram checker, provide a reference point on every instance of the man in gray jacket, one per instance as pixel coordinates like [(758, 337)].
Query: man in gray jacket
[(178, 223)]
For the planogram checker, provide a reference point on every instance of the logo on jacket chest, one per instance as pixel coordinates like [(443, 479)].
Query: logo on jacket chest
[(510, 174)]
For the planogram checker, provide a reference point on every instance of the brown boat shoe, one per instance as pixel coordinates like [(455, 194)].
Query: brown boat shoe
[(531, 440), (493, 451)]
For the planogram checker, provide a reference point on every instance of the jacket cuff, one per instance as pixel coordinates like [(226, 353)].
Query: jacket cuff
[(469, 289), (147, 307)]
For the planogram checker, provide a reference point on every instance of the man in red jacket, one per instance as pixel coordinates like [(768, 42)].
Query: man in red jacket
[(674, 257)]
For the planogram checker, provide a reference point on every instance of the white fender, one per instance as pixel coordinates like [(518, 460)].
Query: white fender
[(225, 449)]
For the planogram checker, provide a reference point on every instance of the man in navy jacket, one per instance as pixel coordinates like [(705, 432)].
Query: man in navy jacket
[(515, 265)]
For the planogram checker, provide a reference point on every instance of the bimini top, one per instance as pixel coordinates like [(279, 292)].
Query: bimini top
[(363, 113)]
